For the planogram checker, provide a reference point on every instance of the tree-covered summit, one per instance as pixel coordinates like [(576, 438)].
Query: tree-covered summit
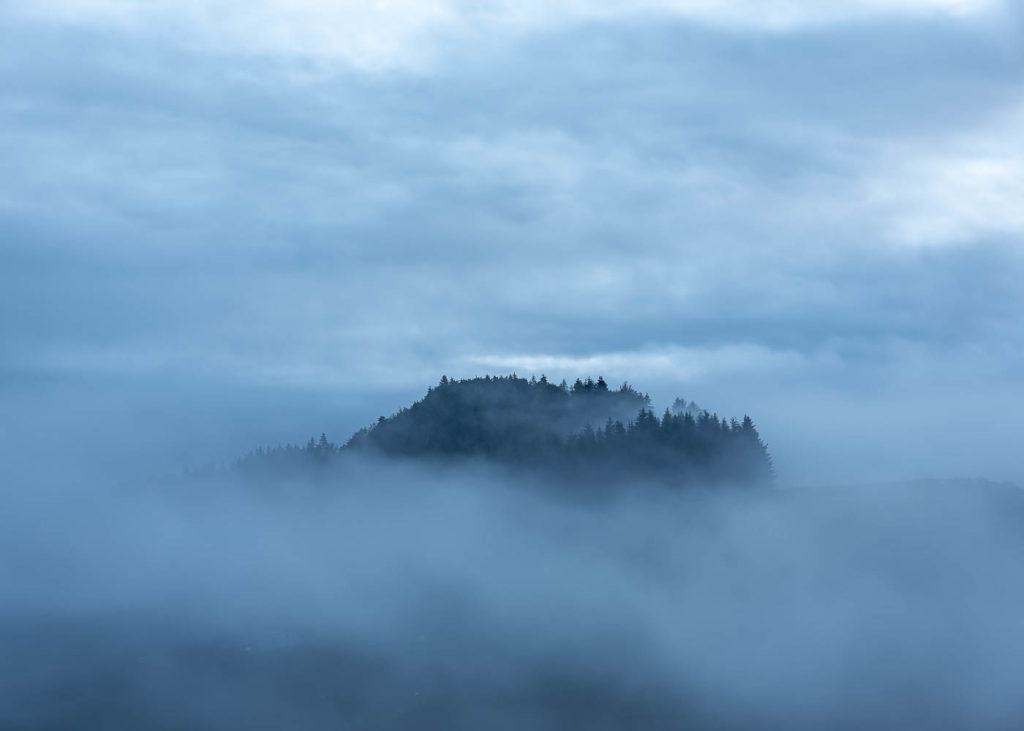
[(586, 430), (503, 416)]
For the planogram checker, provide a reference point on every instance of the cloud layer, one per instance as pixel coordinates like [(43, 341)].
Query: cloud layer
[(400, 33), (737, 201)]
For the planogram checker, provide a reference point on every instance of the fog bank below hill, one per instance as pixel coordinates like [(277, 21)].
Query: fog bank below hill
[(463, 599)]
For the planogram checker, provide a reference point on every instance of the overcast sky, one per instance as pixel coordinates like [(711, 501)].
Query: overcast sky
[(225, 224)]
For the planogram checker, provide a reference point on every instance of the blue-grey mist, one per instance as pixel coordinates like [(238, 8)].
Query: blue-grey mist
[(228, 225)]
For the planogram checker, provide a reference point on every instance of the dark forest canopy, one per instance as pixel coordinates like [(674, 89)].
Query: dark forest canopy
[(586, 430)]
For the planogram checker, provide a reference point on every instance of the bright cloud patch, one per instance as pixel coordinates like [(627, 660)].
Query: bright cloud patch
[(366, 35), (958, 199), (956, 191), (673, 364)]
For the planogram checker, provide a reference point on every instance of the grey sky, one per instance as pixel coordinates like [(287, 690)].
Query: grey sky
[(241, 224)]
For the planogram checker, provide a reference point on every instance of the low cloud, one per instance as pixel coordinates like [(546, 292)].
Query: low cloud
[(457, 597)]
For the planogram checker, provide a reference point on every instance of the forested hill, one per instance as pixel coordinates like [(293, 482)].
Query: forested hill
[(505, 417), (586, 430)]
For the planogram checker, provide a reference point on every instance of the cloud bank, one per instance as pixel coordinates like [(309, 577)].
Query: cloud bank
[(403, 596)]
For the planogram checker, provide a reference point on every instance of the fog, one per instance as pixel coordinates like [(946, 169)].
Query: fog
[(227, 225), (391, 595)]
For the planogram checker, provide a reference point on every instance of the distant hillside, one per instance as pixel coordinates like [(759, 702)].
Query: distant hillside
[(586, 430)]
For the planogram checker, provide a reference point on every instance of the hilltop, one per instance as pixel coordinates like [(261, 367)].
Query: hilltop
[(587, 430)]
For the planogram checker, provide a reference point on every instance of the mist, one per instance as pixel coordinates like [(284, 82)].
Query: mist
[(228, 227), (396, 595)]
